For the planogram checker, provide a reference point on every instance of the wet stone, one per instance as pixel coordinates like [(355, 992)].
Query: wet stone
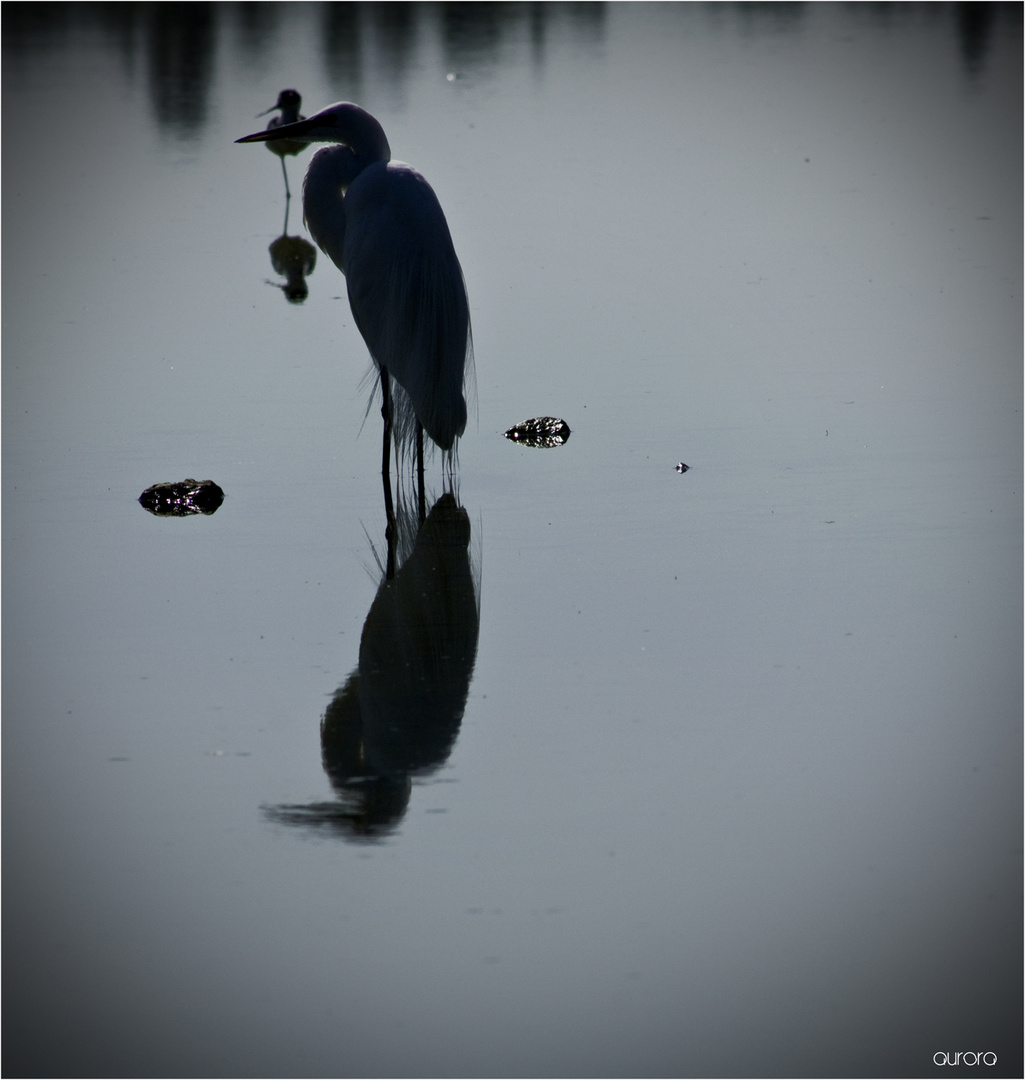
[(543, 432), (182, 498)]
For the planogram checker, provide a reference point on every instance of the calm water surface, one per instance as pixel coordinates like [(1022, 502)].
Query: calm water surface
[(630, 771)]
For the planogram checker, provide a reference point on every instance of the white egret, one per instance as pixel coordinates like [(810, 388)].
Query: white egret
[(383, 227), (288, 103)]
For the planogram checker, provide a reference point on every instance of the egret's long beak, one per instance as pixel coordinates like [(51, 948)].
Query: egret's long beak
[(297, 130)]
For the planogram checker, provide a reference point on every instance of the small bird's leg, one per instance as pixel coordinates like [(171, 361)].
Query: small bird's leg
[(389, 507), (284, 173), (420, 499)]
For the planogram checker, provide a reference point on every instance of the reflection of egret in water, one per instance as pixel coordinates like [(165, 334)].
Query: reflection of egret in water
[(294, 257), (398, 714), (288, 105), (383, 227)]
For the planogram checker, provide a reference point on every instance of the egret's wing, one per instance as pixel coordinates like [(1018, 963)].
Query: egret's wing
[(407, 294)]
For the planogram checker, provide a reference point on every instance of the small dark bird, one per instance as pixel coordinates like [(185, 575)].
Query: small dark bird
[(288, 102)]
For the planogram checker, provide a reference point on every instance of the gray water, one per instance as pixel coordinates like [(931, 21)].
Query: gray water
[(719, 772)]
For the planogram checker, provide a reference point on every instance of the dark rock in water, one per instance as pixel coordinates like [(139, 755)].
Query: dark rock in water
[(543, 431), (183, 498)]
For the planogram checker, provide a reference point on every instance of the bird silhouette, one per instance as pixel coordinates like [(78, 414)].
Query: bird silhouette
[(288, 103), (382, 225)]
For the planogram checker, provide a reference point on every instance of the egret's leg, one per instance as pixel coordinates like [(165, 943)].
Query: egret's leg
[(389, 535), (386, 416), (389, 506), (420, 499)]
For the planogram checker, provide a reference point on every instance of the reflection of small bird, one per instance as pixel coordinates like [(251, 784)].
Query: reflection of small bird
[(383, 227), (294, 258), (288, 102)]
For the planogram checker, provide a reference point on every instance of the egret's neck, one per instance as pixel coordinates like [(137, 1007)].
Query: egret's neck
[(331, 171), (361, 132)]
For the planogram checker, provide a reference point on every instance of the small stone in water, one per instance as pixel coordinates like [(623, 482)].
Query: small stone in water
[(542, 431), (182, 498)]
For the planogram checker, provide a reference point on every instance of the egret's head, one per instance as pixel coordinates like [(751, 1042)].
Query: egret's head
[(340, 123)]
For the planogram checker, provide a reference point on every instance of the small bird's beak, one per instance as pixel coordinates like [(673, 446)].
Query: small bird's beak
[(297, 130), (265, 111)]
